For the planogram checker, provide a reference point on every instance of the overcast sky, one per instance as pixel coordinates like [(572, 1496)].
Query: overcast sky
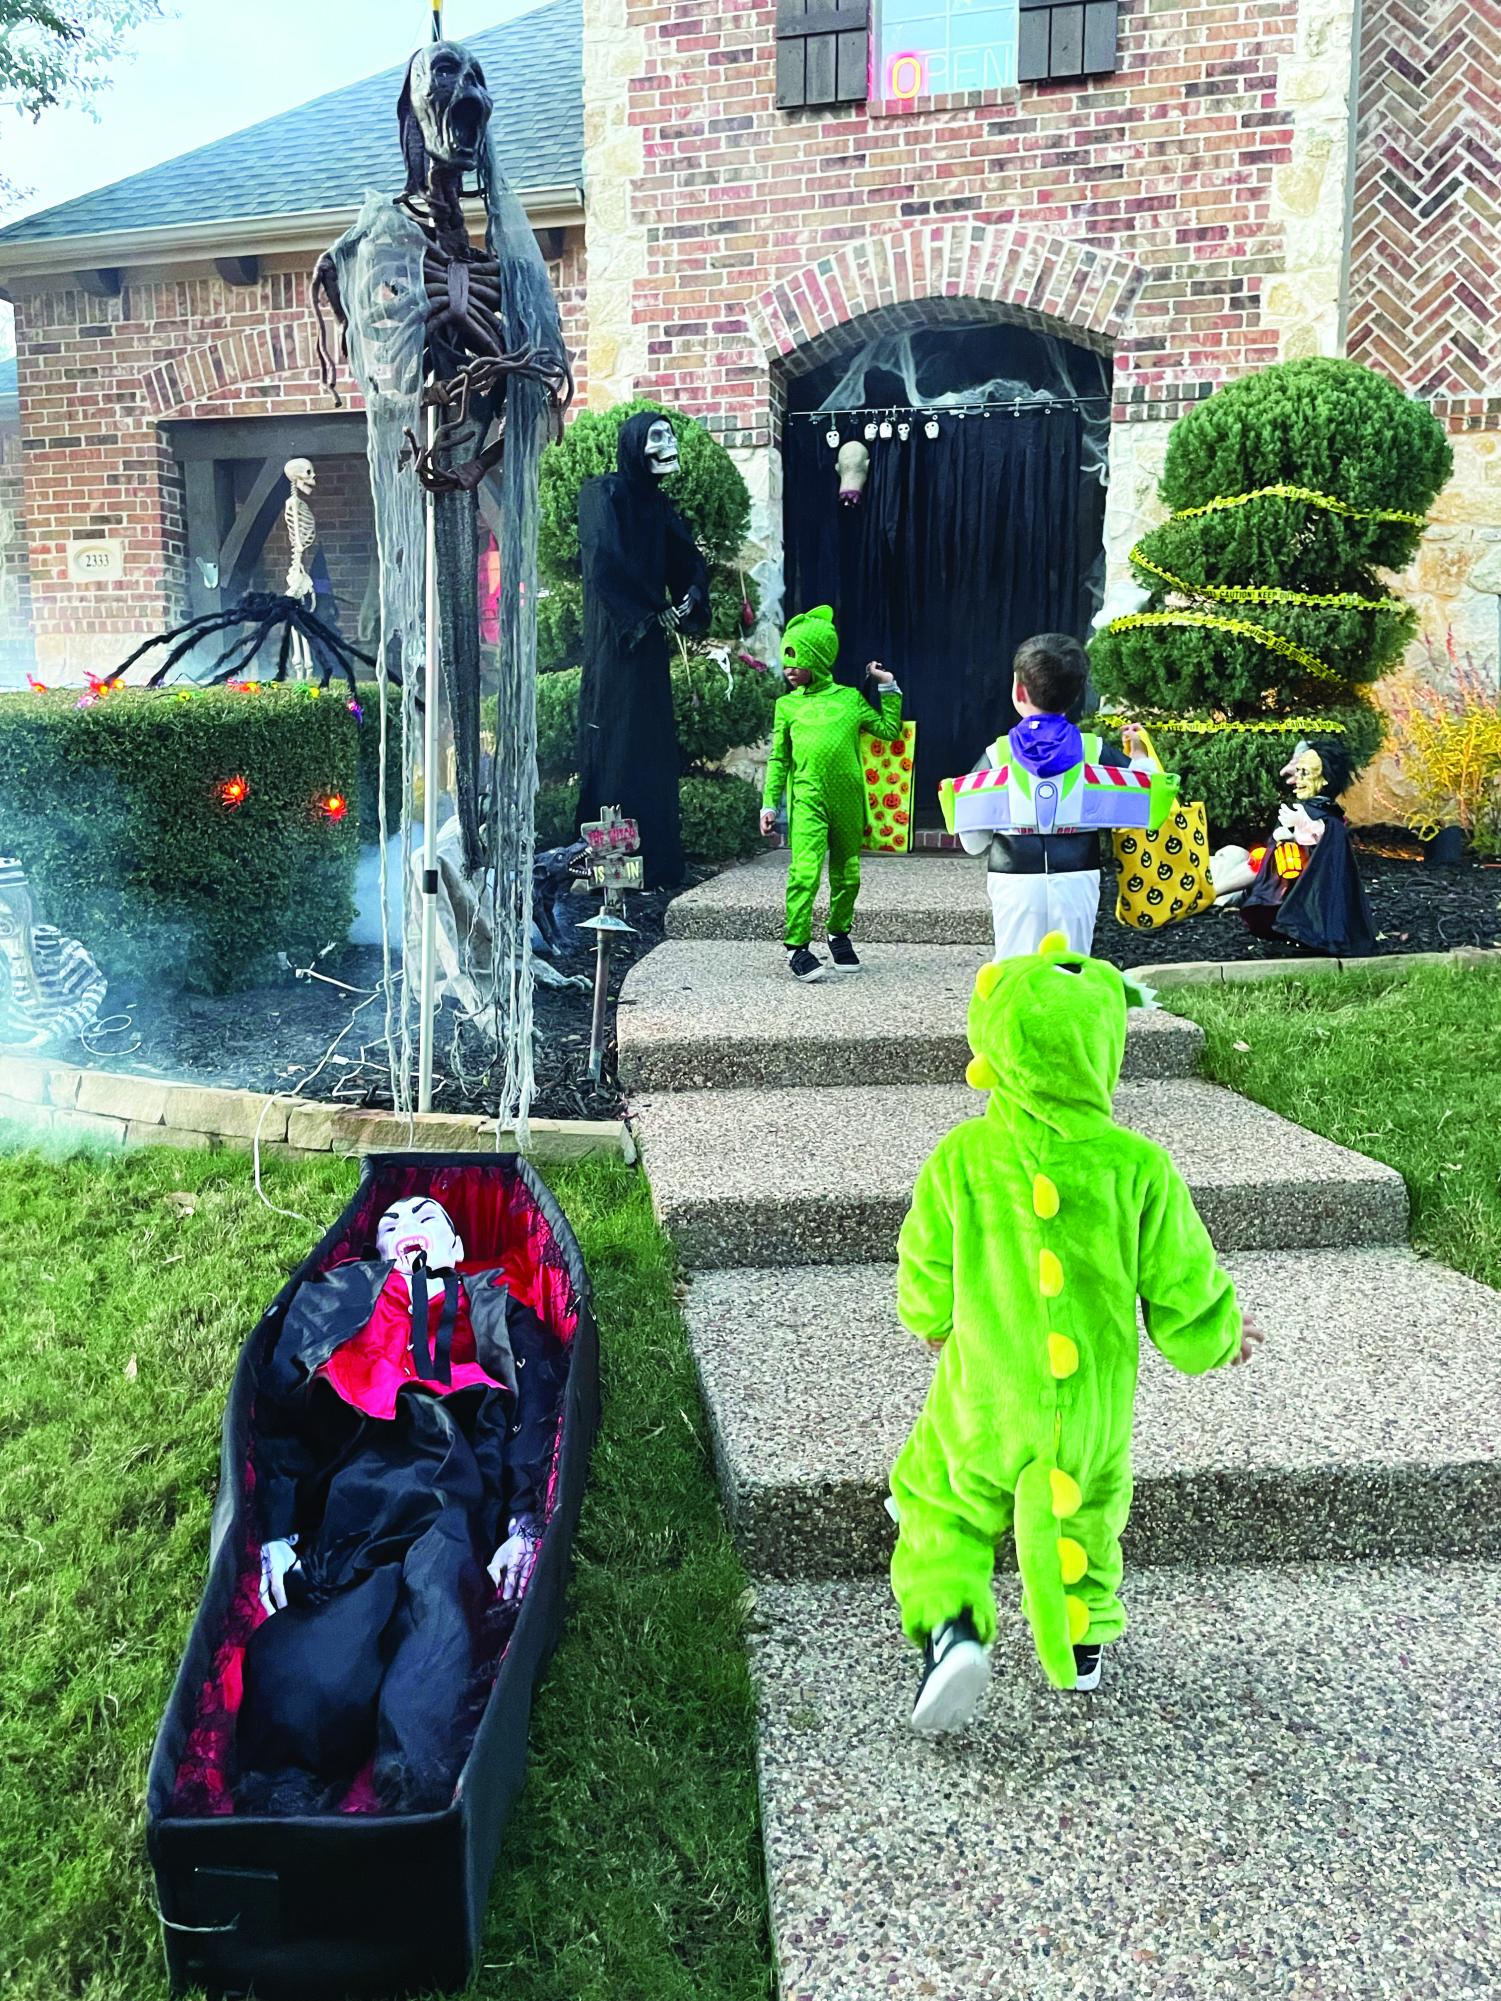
[(212, 69)]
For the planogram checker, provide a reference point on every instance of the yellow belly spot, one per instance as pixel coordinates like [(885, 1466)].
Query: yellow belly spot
[(1044, 1197), (1072, 1560), (1063, 1355), (1067, 1498), (1049, 1274)]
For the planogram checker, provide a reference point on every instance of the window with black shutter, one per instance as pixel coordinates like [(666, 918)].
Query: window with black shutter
[(1065, 38), (823, 52)]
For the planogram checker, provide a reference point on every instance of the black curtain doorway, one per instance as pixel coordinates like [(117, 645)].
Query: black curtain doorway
[(964, 545)]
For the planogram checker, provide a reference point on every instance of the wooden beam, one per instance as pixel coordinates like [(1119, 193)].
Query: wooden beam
[(243, 544), (203, 496), (331, 434), (239, 270), (101, 284)]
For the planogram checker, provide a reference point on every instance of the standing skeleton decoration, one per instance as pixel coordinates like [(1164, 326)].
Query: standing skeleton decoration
[(302, 534), (307, 648), (458, 353)]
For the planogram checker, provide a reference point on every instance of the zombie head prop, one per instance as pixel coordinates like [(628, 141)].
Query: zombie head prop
[(854, 469), (418, 1229), (443, 113)]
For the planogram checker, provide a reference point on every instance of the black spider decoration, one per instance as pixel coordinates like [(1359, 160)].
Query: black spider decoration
[(262, 615)]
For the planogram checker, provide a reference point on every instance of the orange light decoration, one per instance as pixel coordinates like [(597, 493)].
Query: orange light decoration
[(233, 792), (1288, 860), (1256, 857), (37, 687), (334, 806)]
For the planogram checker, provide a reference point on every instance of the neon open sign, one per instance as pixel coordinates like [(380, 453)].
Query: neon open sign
[(904, 76)]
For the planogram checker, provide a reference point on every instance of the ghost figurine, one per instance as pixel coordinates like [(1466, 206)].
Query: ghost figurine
[(854, 469)]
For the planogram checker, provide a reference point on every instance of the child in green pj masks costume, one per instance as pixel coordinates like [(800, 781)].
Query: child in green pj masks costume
[(815, 758), (1032, 1233)]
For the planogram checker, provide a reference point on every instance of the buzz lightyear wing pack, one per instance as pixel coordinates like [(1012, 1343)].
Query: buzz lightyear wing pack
[(1090, 797)]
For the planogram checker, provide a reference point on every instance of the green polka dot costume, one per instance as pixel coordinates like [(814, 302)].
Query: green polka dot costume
[(1032, 1233)]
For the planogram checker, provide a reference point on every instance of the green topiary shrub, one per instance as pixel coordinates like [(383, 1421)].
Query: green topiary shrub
[(719, 707), (707, 491), (556, 817), (1235, 631), (119, 815), (557, 724), (367, 740), (720, 818)]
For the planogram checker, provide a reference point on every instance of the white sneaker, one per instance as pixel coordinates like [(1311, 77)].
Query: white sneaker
[(956, 1669)]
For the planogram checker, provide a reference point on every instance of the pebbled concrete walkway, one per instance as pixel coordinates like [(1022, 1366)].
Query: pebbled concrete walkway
[(1287, 1786)]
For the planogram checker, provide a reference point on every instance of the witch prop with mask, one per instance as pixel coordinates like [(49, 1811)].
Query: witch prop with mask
[(644, 581), (1308, 889), (405, 1425)]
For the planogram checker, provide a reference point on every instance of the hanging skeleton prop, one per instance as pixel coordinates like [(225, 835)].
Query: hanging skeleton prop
[(306, 646), (459, 355)]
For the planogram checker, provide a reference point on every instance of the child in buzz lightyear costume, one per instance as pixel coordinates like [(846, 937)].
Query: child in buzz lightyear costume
[(815, 760), (1032, 1233)]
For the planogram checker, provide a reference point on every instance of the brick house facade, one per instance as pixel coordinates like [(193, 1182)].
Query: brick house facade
[(1245, 186)]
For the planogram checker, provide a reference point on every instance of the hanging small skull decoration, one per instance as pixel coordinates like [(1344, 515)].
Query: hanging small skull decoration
[(854, 470), (662, 449), (885, 427), (870, 428), (831, 437), (904, 430), (931, 427), (302, 474)]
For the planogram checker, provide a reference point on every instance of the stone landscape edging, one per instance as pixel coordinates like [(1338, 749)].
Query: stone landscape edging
[(115, 1108), (1232, 972)]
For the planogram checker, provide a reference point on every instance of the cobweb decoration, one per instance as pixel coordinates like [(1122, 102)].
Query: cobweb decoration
[(893, 353)]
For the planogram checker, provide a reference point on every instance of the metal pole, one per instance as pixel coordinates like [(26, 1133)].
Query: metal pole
[(601, 992), (428, 975)]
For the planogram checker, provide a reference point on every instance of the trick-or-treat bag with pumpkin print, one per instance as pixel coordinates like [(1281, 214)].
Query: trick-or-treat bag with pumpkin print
[(1164, 877), (888, 766)]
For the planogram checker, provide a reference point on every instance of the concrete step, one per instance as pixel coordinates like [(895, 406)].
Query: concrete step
[(699, 1013), (1284, 1787), (1369, 1425), (780, 1177), (904, 900)]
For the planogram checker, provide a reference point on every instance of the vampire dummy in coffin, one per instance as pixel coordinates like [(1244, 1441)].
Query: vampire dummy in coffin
[(405, 1435)]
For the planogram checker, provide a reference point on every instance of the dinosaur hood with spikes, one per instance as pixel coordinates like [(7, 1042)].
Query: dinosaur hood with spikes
[(1049, 1033)]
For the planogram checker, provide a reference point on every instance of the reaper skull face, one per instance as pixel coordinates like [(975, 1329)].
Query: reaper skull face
[(446, 94), (854, 469), (300, 472), (662, 449), (417, 1228)]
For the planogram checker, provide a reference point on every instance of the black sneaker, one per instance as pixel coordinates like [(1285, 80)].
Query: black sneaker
[(954, 1673), (1087, 1669), (842, 952), (803, 965)]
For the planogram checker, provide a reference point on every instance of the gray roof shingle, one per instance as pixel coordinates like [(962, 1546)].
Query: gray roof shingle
[(328, 153)]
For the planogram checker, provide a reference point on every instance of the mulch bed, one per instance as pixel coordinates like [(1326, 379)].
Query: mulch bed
[(1417, 909), (272, 1038)]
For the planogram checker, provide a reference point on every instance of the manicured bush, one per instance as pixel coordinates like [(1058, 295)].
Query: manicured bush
[(719, 817), (556, 817), (368, 746), (121, 816), (718, 708), (1235, 632), (707, 490)]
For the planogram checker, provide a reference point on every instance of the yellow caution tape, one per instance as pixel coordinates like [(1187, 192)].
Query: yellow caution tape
[(1242, 628), (1306, 493)]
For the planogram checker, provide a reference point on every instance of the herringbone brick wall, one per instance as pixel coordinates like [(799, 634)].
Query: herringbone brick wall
[(1425, 286)]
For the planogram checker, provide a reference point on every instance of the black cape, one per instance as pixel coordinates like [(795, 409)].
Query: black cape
[(379, 1653), (1325, 908), (638, 557)]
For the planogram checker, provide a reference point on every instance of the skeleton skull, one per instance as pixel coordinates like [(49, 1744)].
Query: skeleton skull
[(446, 93), (662, 449), (302, 475), (854, 469)]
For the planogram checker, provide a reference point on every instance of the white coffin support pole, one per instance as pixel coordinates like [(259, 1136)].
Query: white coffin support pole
[(428, 963)]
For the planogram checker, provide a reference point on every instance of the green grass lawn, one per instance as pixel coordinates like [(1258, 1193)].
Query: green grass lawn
[(632, 1866), (1405, 1069)]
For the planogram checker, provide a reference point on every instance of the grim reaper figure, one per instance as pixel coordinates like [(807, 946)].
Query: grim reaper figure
[(458, 351)]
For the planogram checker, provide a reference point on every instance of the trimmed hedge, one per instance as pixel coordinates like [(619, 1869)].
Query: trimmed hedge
[(715, 713), (721, 816), (116, 815)]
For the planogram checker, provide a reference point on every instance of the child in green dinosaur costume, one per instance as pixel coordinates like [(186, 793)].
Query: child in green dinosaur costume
[(815, 758), (1032, 1233)]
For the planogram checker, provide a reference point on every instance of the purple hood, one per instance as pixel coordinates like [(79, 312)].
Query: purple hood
[(1046, 745)]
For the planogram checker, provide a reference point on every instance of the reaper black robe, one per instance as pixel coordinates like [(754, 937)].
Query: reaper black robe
[(1325, 907), (389, 1607), (638, 558)]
